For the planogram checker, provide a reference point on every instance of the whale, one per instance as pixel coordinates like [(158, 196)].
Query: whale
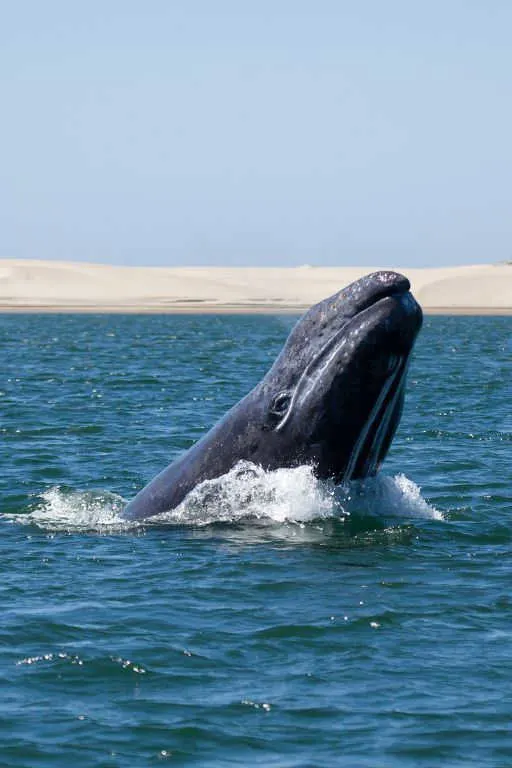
[(332, 399)]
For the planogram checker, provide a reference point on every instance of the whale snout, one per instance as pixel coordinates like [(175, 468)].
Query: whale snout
[(362, 294), (387, 279)]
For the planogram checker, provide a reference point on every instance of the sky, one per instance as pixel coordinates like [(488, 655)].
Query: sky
[(256, 132)]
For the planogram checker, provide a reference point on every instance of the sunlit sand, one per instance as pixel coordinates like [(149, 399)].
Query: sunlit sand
[(32, 285)]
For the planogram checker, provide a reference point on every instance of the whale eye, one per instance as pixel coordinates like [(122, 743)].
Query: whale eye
[(280, 404)]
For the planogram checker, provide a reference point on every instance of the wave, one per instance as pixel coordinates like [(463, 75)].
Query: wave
[(247, 493)]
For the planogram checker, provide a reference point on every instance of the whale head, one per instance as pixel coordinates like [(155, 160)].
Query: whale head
[(334, 396)]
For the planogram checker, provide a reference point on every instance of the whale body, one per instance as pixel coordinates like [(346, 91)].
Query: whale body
[(332, 399)]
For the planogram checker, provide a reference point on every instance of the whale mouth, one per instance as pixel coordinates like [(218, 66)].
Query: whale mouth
[(377, 432)]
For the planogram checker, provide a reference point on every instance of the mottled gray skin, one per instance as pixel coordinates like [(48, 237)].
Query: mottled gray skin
[(332, 399)]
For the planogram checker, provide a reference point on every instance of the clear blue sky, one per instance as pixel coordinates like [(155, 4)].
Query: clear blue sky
[(256, 131)]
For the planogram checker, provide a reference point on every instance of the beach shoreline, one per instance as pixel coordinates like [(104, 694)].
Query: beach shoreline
[(211, 309), (36, 286)]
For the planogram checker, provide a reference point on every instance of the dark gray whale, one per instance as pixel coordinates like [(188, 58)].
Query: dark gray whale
[(332, 399)]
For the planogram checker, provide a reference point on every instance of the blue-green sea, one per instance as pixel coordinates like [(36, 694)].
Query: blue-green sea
[(271, 620)]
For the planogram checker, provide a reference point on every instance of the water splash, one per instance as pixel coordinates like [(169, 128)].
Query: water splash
[(246, 493), (75, 511), (249, 492), (387, 498)]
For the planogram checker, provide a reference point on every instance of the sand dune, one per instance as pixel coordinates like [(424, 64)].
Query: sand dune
[(32, 285)]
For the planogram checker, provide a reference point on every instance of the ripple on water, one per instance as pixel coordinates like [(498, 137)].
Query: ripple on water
[(269, 620)]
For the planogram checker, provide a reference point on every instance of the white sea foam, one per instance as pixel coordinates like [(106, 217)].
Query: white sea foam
[(245, 493), (387, 498), (284, 495), (75, 511)]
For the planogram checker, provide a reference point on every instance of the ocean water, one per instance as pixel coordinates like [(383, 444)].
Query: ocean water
[(272, 620)]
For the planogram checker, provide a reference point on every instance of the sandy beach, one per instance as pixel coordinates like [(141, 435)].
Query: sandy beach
[(53, 286)]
